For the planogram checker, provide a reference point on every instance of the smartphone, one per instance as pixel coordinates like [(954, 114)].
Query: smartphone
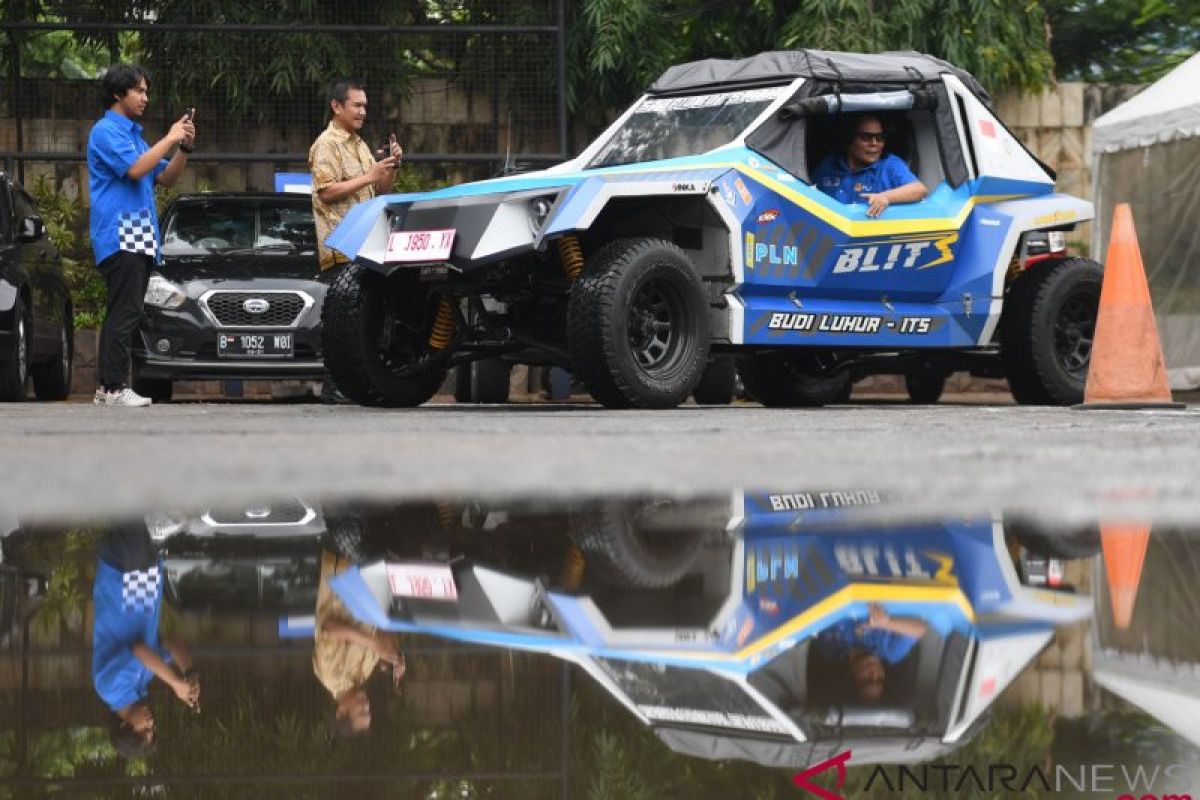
[(191, 113)]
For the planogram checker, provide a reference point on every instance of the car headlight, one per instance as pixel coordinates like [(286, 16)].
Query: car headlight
[(163, 525), (161, 293), (539, 209)]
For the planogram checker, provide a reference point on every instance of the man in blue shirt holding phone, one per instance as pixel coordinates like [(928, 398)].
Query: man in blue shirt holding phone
[(122, 173)]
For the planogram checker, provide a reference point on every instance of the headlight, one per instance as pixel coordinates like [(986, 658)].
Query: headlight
[(161, 293), (539, 209), (163, 525)]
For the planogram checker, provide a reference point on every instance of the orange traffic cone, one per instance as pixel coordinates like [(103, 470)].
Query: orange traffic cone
[(1124, 552), (1127, 368)]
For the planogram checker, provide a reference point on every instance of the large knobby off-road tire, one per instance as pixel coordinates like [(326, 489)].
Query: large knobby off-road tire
[(1047, 330), (791, 380), (52, 378), (637, 325), (372, 327), (718, 384), (626, 547)]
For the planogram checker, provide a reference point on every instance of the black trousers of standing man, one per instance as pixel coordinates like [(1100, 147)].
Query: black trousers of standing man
[(126, 275)]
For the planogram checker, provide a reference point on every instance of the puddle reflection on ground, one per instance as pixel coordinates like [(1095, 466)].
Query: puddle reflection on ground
[(735, 645)]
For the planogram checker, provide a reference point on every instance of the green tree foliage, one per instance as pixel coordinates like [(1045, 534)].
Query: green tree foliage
[(619, 46), (1124, 41)]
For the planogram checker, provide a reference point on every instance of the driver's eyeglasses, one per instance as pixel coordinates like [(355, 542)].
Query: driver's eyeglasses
[(870, 136)]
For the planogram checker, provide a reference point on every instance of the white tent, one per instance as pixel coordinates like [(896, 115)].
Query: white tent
[(1146, 152)]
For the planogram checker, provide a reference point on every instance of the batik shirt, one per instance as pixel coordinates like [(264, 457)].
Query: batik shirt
[(337, 155)]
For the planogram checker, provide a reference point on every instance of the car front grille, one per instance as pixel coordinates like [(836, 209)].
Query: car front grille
[(283, 311)]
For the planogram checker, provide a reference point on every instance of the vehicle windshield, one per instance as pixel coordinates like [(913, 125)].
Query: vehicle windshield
[(226, 227), (670, 127)]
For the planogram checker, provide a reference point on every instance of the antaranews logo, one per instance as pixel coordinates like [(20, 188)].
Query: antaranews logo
[(1117, 781)]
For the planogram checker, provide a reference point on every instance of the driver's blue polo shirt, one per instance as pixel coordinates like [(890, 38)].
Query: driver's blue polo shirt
[(834, 177), (123, 216), (836, 641)]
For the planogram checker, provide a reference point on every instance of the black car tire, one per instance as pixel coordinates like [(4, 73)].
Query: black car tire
[(718, 384), (462, 384), (637, 325), (925, 385), (490, 380), (52, 379), (159, 390), (618, 549), (355, 321), (1047, 329), (14, 364), (786, 380)]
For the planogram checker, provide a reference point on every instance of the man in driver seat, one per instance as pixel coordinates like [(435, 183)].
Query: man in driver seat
[(864, 174)]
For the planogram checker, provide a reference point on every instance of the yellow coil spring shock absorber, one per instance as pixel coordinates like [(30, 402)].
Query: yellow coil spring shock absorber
[(571, 255), (447, 516), (572, 569), (444, 325)]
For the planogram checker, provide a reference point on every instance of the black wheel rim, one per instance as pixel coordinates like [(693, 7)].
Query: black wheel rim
[(659, 328), (1074, 331)]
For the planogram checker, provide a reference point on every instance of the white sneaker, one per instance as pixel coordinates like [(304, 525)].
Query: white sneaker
[(99, 398), (123, 397)]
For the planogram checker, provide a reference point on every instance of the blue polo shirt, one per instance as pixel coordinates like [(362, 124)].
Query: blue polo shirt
[(123, 215), (834, 177), (127, 610), (835, 642)]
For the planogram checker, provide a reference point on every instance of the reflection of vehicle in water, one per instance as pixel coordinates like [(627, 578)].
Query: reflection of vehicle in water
[(263, 556), (721, 655)]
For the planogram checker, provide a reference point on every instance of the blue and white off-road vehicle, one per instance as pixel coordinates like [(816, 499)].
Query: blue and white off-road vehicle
[(691, 233)]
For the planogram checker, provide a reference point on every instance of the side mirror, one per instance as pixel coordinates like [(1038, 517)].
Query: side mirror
[(30, 230)]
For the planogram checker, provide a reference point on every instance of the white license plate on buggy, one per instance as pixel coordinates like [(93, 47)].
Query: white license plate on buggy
[(419, 246)]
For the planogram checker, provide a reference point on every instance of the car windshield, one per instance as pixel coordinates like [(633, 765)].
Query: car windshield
[(669, 127), (224, 227)]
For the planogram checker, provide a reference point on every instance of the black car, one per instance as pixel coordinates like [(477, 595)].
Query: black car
[(37, 324), (236, 296)]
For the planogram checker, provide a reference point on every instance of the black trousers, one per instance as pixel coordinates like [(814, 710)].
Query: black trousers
[(126, 275)]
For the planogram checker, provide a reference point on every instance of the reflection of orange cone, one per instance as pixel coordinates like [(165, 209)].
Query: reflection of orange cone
[(1127, 368), (1124, 551)]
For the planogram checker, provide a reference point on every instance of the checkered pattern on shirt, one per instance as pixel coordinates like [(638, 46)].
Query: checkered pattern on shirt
[(135, 233), (139, 590)]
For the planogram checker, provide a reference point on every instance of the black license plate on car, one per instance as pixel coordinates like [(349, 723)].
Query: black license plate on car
[(254, 345)]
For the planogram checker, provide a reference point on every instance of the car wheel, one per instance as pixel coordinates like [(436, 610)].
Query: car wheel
[(637, 325), (159, 390), (490, 380), (718, 384), (791, 380), (462, 384), (14, 364), (925, 385), (52, 380), (621, 548), (375, 334), (1047, 330)]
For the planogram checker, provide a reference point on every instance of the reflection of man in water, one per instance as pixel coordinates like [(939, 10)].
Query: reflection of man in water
[(346, 653), (126, 651), (866, 645)]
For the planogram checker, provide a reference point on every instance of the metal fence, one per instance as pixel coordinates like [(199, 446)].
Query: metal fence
[(467, 93)]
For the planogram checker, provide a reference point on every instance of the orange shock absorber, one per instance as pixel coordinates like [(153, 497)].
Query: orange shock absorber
[(572, 570), (443, 325), (447, 516), (571, 255)]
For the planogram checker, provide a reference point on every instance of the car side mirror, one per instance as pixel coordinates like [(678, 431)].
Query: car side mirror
[(30, 230)]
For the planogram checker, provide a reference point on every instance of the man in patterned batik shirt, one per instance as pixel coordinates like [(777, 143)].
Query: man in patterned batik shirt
[(127, 653), (344, 173), (122, 172)]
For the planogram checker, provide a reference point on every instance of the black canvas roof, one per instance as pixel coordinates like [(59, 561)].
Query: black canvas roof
[(827, 65)]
